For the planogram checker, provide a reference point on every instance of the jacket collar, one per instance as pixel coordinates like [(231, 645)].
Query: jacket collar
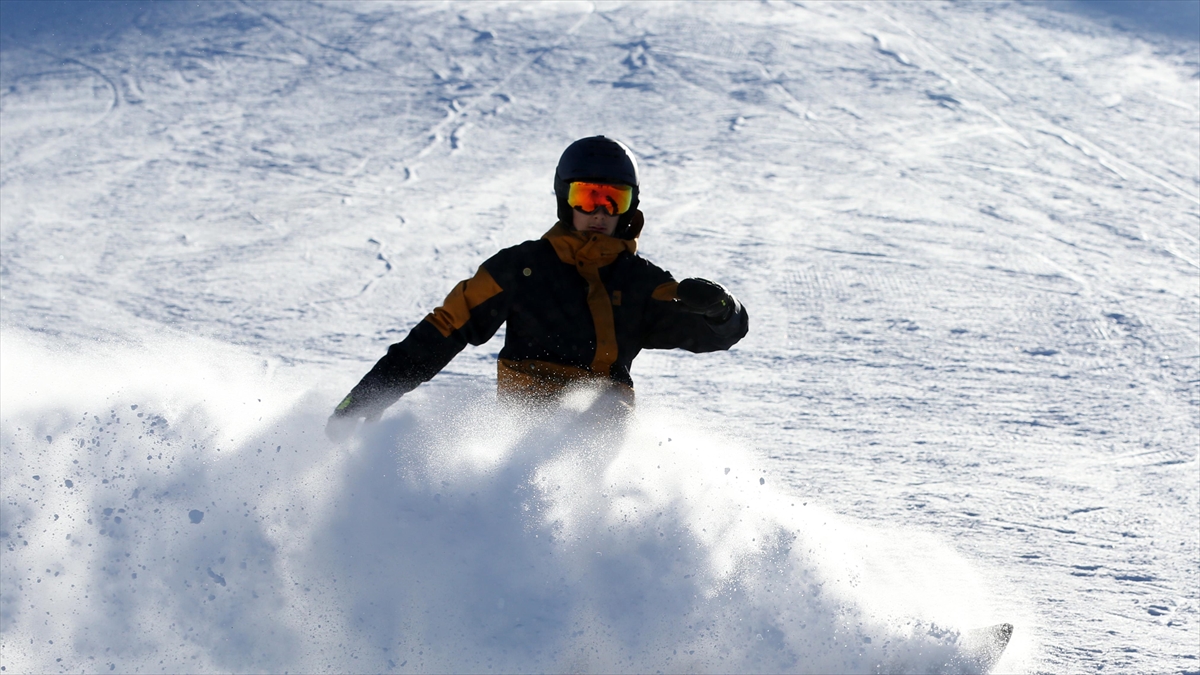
[(587, 249)]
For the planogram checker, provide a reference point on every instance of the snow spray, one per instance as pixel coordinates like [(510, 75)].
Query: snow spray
[(175, 507)]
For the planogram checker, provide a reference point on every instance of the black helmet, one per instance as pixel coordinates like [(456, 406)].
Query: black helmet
[(601, 160)]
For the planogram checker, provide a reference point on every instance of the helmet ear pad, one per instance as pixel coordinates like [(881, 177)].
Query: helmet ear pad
[(633, 228)]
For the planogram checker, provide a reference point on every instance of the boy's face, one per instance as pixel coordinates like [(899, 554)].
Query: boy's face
[(598, 221)]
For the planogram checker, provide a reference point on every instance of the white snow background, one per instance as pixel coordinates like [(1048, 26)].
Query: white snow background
[(967, 234)]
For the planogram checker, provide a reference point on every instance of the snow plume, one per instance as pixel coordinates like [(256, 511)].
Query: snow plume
[(176, 508)]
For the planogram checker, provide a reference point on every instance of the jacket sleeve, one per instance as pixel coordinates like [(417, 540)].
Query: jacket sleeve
[(471, 313), (669, 326)]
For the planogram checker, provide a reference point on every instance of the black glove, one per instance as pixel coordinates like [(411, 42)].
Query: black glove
[(709, 298), (344, 419)]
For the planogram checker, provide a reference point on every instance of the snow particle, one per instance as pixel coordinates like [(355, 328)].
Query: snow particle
[(216, 577), (195, 515)]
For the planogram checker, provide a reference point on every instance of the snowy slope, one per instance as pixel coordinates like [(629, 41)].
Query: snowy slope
[(968, 236)]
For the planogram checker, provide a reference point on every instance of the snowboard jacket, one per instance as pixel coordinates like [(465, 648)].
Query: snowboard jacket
[(579, 306)]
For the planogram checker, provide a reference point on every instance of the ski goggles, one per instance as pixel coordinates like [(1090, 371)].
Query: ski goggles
[(587, 197)]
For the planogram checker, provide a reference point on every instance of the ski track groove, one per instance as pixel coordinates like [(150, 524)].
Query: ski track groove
[(305, 36), (1104, 158), (50, 147)]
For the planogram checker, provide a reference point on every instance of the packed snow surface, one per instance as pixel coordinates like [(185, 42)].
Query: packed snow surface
[(967, 234)]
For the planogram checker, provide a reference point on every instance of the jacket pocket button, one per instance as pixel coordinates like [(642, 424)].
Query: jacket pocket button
[(527, 271)]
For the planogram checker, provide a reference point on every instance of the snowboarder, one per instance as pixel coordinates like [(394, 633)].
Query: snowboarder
[(579, 302)]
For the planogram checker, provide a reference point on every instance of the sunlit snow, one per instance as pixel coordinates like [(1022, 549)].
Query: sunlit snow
[(967, 235)]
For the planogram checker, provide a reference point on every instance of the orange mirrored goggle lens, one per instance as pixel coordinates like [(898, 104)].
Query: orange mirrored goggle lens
[(587, 197)]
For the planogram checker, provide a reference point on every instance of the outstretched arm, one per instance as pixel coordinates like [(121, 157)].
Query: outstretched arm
[(407, 364), (471, 314)]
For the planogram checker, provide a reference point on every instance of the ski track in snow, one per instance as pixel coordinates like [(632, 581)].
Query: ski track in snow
[(968, 236)]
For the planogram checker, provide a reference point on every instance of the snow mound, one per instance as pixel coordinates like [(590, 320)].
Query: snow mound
[(173, 506)]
